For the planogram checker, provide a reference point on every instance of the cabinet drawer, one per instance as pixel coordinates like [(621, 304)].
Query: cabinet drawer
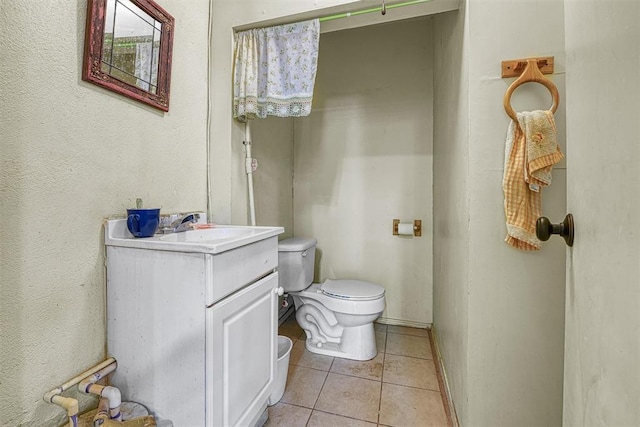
[(232, 270)]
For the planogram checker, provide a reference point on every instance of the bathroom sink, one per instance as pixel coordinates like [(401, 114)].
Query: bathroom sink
[(209, 235), (218, 239)]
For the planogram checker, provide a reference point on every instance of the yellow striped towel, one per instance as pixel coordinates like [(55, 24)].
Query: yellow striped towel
[(531, 151)]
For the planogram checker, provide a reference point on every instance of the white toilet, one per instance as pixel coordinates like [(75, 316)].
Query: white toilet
[(337, 315)]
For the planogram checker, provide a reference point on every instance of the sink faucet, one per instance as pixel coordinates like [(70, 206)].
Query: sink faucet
[(183, 223)]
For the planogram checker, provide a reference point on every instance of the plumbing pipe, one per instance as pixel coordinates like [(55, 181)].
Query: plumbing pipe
[(326, 332), (68, 403), (249, 168), (103, 412), (112, 394)]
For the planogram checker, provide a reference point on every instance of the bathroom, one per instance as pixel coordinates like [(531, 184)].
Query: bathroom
[(73, 154)]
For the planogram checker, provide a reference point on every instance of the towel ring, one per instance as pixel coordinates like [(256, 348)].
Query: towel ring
[(531, 73)]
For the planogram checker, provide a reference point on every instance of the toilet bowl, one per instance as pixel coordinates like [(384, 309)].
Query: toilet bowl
[(336, 315)]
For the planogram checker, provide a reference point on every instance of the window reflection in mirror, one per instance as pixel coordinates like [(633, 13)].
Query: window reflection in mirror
[(131, 45), (128, 49)]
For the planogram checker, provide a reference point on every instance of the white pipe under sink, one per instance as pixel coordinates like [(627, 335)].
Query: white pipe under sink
[(112, 394), (68, 403)]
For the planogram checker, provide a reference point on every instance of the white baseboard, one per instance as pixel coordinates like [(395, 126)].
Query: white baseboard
[(399, 322), (439, 361)]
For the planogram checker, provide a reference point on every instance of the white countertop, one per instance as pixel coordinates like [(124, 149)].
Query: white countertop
[(220, 238)]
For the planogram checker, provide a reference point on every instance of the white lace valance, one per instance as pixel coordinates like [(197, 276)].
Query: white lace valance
[(275, 70)]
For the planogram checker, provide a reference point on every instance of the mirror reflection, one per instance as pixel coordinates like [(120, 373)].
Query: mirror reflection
[(128, 49), (131, 45)]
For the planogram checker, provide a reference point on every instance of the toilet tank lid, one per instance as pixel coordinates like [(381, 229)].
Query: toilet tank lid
[(296, 244)]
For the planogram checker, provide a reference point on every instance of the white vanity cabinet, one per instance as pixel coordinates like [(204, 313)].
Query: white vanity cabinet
[(194, 332)]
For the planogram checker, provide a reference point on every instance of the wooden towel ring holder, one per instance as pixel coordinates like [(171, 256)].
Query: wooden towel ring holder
[(531, 73)]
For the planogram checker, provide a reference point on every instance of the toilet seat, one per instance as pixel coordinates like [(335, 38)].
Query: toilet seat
[(342, 305), (352, 290)]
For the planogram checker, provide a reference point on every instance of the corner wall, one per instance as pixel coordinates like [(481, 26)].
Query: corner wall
[(505, 364), (451, 202), (516, 310), (71, 154), (273, 181)]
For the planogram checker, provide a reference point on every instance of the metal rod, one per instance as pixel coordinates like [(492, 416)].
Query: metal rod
[(375, 9)]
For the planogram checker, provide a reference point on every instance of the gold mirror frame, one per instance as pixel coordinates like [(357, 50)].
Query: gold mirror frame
[(93, 49)]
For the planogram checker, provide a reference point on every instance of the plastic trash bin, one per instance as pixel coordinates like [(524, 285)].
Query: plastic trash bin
[(282, 369)]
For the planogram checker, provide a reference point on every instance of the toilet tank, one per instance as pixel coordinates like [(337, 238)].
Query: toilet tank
[(296, 260)]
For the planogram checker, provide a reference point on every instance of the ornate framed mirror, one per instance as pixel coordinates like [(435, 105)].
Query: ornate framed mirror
[(128, 49)]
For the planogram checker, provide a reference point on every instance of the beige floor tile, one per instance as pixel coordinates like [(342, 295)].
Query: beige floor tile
[(349, 396), (407, 345), (290, 328), (379, 327), (302, 357), (369, 369), (323, 419), (303, 386), (284, 415), (416, 332), (410, 371), (406, 406), (381, 339)]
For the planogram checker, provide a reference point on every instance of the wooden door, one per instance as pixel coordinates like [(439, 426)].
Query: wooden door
[(602, 332)]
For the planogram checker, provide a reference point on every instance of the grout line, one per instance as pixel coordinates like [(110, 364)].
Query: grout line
[(321, 388), (353, 376), (333, 359), (307, 367), (412, 357), (384, 358), (409, 335), (340, 415), (412, 386)]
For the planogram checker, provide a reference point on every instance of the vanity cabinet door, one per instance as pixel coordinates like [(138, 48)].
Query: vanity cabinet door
[(241, 353)]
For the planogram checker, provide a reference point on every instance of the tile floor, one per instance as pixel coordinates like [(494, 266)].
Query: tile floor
[(399, 387)]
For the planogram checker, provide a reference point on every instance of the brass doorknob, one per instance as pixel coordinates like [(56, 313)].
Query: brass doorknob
[(544, 229)]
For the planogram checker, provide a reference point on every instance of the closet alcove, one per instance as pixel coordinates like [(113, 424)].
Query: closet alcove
[(365, 155)]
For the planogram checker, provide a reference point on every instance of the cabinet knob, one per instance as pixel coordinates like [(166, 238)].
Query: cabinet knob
[(279, 291)]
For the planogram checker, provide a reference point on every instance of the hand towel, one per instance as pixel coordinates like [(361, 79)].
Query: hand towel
[(531, 151)]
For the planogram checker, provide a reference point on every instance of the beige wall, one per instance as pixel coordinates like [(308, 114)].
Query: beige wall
[(451, 202), (71, 154), (505, 366), (273, 181), (65, 165), (364, 157), (516, 310), (602, 349), (229, 188)]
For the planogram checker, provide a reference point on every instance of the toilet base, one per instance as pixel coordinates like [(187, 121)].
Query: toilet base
[(356, 343)]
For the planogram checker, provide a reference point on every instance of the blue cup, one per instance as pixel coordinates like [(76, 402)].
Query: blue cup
[(143, 222)]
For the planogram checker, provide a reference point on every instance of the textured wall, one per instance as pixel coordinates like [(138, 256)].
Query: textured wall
[(451, 201), (516, 299), (602, 349), (364, 157), (273, 181), (505, 364), (72, 153), (229, 194)]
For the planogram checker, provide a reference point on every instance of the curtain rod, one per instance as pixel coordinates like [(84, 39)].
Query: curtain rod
[(375, 9)]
